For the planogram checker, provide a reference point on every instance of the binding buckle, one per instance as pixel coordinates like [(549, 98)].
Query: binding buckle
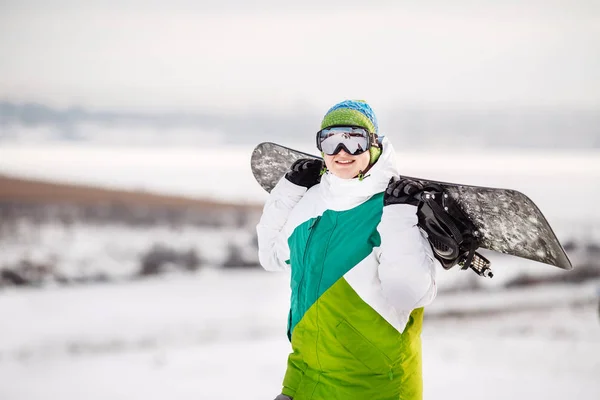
[(453, 237)]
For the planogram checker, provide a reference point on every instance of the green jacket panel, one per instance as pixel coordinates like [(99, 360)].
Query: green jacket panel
[(317, 261), (343, 349)]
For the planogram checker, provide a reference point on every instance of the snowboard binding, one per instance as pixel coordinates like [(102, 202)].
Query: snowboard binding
[(453, 237)]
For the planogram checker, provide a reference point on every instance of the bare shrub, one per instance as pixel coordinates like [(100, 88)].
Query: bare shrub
[(237, 259), (159, 258), (27, 273)]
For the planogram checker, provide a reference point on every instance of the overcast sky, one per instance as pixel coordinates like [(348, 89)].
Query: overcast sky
[(235, 55)]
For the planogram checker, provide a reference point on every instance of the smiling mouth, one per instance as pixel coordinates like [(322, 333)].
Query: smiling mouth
[(344, 162)]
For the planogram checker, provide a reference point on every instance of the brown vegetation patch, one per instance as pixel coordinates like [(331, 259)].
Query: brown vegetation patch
[(18, 190)]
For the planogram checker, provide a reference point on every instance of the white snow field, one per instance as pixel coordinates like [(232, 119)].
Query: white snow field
[(221, 335)]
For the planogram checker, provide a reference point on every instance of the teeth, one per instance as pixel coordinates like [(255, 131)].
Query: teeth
[(344, 161)]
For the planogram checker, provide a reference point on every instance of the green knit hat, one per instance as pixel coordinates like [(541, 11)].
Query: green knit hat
[(351, 113)]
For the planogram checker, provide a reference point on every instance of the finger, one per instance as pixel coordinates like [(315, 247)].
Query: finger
[(297, 165), (411, 188), (402, 184), (306, 164), (312, 168), (315, 164), (419, 185)]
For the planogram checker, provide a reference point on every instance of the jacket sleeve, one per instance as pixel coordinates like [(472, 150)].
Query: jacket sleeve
[(406, 262), (273, 250)]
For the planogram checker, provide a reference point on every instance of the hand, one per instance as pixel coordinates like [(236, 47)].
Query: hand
[(402, 191), (305, 172)]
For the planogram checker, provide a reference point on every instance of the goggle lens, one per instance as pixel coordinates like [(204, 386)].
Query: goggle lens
[(353, 140)]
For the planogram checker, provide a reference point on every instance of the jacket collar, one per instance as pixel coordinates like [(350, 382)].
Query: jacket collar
[(343, 194)]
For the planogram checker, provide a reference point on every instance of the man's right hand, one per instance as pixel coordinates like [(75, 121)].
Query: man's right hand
[(305, 172)]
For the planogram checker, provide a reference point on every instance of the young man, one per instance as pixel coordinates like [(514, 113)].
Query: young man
[(361, 272)]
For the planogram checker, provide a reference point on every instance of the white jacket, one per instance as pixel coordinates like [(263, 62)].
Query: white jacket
[(399, 274)]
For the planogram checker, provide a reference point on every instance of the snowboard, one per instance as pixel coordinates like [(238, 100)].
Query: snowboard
[(506, 220)]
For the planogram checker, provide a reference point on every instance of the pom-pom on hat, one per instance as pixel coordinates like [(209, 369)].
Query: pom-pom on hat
[(351, 113)]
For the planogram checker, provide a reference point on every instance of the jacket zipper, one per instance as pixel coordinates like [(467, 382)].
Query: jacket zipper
[(311, 229)]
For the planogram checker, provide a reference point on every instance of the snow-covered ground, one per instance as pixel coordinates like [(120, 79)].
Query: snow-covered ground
[(221, 335)]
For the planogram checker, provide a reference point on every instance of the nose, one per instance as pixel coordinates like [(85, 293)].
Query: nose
[(344, 153)]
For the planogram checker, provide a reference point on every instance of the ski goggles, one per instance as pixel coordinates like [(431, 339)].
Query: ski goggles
[(353, 140)]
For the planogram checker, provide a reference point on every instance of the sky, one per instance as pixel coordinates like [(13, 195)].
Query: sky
[(233, 55)]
